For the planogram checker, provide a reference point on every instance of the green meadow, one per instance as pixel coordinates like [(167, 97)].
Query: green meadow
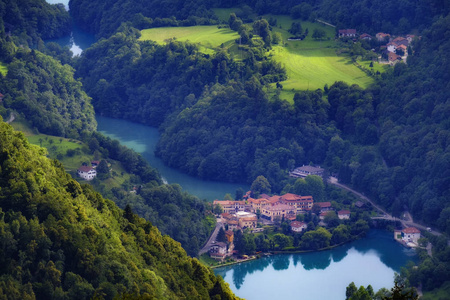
[(3, 69), (58, 147), (209, 37), (310, 64)]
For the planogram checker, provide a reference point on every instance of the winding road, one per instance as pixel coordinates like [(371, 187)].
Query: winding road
[(212, 237), (387, 216)]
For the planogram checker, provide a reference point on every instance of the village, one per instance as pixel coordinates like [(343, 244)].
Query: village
[(255, 215), (392, 49)]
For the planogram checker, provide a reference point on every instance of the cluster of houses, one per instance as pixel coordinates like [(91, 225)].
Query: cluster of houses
[(395, 50), (88, 172), (286, 206)]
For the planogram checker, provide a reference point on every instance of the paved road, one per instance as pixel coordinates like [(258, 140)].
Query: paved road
[(212, 238), (387, 216), (11, 118)]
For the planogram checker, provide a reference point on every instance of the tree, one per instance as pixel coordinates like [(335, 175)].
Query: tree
[(296, 28), (221, 237), (239, 194), (260, 186), (351, 290), (318, 33), (217, 209)]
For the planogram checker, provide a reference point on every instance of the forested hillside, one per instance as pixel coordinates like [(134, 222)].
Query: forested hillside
[(103, 17), (60, 239), (46, 93), (29, 19)]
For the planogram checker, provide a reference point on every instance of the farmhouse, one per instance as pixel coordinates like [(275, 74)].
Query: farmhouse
[(410, 234), (344, 214), (347, 33), (365, 36), (324, 206), (393, 58), (297, 226), (87, 173), (306, 170), (382, 36)]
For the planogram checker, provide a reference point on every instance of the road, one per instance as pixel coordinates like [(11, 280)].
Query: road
[(387, 216), (212, 238)]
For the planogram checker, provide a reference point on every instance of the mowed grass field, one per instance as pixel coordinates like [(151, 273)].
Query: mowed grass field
[(209, 37), (3, 69), (310, 63)]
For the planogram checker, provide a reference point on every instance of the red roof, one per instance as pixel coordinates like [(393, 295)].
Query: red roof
[(84, 169), (392, 56), (344, 212), (297, 224), (1, 95), (410, 230), (347, 31), (324, 204)]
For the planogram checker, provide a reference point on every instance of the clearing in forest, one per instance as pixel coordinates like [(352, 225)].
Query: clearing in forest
[(209, 37), (3, 69)]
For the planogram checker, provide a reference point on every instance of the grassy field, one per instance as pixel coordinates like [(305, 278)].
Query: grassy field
[(310, 63), (3, 69), (209, 37), (57, 148)]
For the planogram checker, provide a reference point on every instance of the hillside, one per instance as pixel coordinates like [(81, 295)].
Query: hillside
[(61, 239)]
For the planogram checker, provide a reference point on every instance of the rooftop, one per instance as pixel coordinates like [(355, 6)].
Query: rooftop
[(84, 169), (411, 230)]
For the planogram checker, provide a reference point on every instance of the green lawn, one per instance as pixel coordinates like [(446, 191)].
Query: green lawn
[(209, 37), (310, 64), (312, 69), (3, 69)]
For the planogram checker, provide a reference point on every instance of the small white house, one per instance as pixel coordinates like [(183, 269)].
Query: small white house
[(297, 226), (344, 214), (87, 173), (411, 234)]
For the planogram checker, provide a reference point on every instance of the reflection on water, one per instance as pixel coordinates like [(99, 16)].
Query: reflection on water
[(143, 139), (320, 275)]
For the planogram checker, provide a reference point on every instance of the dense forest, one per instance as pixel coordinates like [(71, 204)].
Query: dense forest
[(27, 20), (62, 240)]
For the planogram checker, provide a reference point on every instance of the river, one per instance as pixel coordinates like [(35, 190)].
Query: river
[(321, 275), (78, 40), (143, 139)]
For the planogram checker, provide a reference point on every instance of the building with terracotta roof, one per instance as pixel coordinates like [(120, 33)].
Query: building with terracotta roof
[(393, 58), (271, 212), (347, 33), (401, 41), (324, 206), (344, 214), (246, 219), (229, 234), (230, 206), (382, 36), (365, 36), (411, 234), (297, 226), (218, 251), (299, 203), (87, 173)]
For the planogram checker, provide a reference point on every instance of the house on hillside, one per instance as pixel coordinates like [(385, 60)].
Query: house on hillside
[(95, 163), (344, 214), (393, 58), (401, 41), (411, 234), (230, 236), (382, 36), (365, 36), (297, 226), (87, 173), (325, 206), (218, 251), (391, 47), (347, 33)]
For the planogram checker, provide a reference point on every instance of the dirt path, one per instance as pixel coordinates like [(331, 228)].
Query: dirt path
[(11, 118)]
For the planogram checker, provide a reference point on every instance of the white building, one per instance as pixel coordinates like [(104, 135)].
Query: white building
[(411, 234), (297, 226), (344, 214), (87, 173)]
